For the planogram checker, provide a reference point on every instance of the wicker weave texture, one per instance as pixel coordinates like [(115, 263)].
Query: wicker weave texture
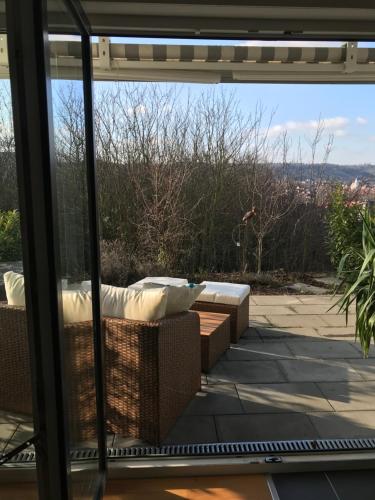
[(179, 367), (152, 372), (15, 386), (239, 315), (80, 381)]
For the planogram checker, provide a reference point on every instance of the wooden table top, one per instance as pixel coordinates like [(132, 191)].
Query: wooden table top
[(210, 321)]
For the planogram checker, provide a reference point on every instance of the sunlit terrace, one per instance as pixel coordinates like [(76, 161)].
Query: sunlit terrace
[(296, 373)]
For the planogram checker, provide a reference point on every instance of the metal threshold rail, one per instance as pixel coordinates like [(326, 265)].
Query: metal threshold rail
[(212, 64)]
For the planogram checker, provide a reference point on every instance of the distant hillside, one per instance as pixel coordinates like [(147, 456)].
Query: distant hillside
[(343, 173)]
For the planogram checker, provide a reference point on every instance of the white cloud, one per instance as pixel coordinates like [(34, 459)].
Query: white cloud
[(335, 124), (372, 138), (289, 43), (361, 120), (340, 132)]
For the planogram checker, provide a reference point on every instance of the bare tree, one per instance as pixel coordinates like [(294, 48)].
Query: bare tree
[(8, 178), (176, 174)]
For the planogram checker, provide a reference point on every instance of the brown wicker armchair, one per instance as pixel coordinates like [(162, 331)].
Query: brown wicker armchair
[(152, 371)]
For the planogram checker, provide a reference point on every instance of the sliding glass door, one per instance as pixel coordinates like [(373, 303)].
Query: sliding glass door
[(52, 104)]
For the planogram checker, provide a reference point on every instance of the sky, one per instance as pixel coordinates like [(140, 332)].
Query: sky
[(348, 111)]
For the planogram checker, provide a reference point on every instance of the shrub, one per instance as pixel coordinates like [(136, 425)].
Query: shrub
[(344, 228), (114, 263), (359, 283), (10, 236)]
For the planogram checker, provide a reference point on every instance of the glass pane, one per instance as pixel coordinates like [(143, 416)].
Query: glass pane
[(73, 221), (16, 426)]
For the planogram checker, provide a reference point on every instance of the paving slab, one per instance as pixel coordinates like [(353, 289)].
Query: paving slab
[(326, 349), (110, 439), (301, 321), (345, 424), (251, 334), (352, 484), (338, 331), (265, 427), (7, 431), (13, 418), (348, 340), (192, 430), (349, 396), (371, 353), (276, 398), (338, 320), (23, 433), (126, 442), (364, 367), (271, 310), (318, 370), (255, 321), (318, 299), (290, 333), (304, 486), (275, 300), (316, 309), (258, 351), (215, 400), (231, 372)]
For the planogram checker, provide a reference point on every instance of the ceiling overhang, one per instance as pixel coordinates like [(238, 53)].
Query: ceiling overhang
[(260, 19)]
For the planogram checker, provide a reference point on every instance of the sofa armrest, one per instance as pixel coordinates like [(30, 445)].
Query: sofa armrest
[(152, 372)]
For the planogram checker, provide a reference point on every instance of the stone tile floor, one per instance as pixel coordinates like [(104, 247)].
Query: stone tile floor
[(296, 373)]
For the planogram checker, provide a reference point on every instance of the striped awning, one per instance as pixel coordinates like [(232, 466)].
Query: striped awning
[(217, 63), (217, 53), (234, 54)]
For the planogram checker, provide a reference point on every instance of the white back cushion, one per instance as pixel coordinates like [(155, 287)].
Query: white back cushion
[(14, 288), (76, 303), (77, 306), (143, 305), (180, 298)]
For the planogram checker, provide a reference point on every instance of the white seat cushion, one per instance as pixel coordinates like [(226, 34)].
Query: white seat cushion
[(160, 280), (144, 305), (224, 293)]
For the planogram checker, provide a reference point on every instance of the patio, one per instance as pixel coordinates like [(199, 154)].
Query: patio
[(296, 373)]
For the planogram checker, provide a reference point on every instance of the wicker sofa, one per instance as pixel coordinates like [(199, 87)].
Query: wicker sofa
[(152, 371)]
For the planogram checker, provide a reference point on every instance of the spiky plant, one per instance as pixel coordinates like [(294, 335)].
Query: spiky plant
[(359, 283)]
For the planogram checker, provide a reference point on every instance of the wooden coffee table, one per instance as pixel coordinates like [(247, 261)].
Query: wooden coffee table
[(215, 337)]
